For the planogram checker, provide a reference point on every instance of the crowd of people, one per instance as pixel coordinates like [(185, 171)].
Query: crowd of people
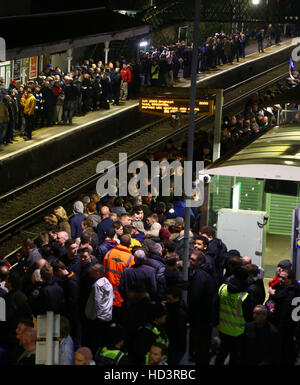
[(55, 97), (113, 270), (259, 114)]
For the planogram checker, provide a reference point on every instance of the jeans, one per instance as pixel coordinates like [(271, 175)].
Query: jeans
[(260, 46), (23, 125), (3, 130), (69, 109)]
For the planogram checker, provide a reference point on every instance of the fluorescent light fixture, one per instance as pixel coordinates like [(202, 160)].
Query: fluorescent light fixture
[(255, 2), (236, 195), (143, 44)]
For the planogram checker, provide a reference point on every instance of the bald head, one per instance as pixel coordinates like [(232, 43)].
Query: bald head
[(246, 260), (40, 263), (62, 237), (4, 271)]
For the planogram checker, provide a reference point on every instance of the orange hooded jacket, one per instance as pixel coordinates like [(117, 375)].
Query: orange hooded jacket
[(115, 261)]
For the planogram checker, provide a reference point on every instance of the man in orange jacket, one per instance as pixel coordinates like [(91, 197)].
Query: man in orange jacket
[(116, 261)]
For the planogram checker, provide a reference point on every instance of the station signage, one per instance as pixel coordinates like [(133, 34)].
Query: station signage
[(168, 106)]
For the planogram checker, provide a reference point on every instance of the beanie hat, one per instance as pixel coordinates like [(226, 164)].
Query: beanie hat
[(233, 252), (285, 264), (164, 234), (110, 233)]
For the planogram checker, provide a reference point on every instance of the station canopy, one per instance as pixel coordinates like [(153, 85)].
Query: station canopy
[(40, 34), (273, 155)]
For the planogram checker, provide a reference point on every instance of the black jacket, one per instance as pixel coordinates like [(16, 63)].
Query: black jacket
[(50, 298), (137, 273), (135, 313), (71, 92), (72, 265), (177, 316), (260, 345), (202, 295), (257, 292), (283, 308), (70, 285), (217, 250)]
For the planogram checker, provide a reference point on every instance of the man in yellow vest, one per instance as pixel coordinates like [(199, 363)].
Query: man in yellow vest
[(235, 309), (111, 353), (154, 69)]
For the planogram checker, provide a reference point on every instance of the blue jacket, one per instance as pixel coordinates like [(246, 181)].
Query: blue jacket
[(75, 223), (179, 207), (104, 248), (140, 237), (156, 262)]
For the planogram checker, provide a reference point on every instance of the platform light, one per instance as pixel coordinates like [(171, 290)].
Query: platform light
[(143, 43)]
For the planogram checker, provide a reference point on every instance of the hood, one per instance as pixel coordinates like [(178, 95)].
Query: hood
[(156, 257), (207, 267), (236, 285)]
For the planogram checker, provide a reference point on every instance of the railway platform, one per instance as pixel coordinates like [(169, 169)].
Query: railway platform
[(24, 160)]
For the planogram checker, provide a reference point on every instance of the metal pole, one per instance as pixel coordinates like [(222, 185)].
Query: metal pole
[(187, 216), (295, 252), (218, 125), (106, 50), (49, 338)]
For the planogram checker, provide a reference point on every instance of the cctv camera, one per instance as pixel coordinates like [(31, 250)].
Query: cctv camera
[(204, 178)]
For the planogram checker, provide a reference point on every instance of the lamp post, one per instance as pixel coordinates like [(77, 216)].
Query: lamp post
[(187, 216)]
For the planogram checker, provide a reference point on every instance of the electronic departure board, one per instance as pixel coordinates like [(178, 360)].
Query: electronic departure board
[(168, 106)]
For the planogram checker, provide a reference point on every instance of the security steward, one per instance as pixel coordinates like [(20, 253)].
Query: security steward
[(154, 73), (235, 309), (152, 332), (115, 261), (112, 354)]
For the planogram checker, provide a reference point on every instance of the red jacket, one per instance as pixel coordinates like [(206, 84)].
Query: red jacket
[(126, 75)]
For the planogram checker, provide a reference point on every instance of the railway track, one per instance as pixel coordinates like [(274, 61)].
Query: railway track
[(22, 210)]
